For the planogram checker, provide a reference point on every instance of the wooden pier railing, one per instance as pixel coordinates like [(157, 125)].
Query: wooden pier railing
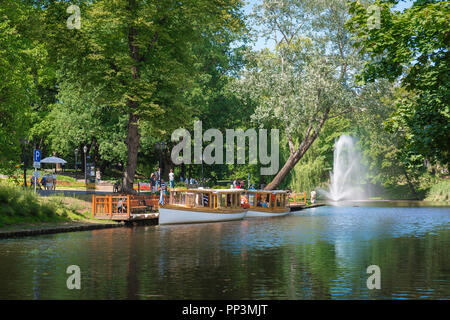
[(297, 198), (123, 207)]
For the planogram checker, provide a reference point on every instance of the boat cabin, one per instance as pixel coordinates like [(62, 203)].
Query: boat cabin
[(217, 200), (262, 200)]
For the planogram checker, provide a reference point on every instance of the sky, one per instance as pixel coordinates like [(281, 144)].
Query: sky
[(261, 43)]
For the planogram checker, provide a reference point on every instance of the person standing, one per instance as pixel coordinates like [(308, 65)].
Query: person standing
[(157, 178), (163, 187), (98, 175), (171, 179), (152, 182), (313, 197)]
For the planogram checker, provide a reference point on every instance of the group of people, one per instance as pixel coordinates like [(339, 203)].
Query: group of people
[(190, 181), (157, 182), (237, 184), (47, 181)]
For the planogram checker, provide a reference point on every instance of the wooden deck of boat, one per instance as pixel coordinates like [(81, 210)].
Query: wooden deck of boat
[(298, 207), (132, 217)]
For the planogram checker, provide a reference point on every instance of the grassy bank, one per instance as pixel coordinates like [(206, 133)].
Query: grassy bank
[(439, 192), (19, 207)]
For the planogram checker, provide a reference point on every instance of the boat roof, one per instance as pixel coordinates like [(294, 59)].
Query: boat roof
[(210, 190), (267, 191), (229, 190)]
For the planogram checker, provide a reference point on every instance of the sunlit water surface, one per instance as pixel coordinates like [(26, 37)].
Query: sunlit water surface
[(320, 253)]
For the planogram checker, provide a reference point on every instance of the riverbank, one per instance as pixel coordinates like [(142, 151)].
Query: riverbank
[(24, 213), (50, 228)]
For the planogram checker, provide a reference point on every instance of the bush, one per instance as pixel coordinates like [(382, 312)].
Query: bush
[(18, 205), (439, 192)]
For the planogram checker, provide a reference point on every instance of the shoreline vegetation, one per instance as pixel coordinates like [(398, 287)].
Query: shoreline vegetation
[(24, 213), (21, 210)]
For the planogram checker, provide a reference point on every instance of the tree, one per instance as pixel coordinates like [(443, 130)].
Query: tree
[(411, 48), (137, 58), (306, 80)]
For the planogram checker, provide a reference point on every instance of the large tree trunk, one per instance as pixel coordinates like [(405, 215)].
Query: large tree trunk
[(132, 147), (410, 184), (133, 136)]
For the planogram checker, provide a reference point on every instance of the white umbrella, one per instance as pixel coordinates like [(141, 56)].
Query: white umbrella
[(53, 160)]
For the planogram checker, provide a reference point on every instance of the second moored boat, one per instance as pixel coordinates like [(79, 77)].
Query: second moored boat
[(262, 203)]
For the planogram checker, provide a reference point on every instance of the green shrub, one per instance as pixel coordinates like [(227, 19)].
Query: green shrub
[(439, 192)]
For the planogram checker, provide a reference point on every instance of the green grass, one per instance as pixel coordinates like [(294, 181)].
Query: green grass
[(20, 207), (439, 192)]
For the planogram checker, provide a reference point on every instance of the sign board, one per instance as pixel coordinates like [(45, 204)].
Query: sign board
[(36, 174), (37, 165), (37, 155)]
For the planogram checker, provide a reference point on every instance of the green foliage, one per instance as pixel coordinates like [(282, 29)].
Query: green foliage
[(411, 47), (18, 206), (439, 192)]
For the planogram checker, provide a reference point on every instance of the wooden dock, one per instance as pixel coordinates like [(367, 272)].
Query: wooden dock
[(298, 207), (126, 208)]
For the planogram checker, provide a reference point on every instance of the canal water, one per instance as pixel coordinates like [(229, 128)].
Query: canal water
[(320, 253)]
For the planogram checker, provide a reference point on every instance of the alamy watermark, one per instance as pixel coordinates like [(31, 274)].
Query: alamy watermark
[(213, 153), (374, 281), (74, 21), (374, 20), (74, 280)]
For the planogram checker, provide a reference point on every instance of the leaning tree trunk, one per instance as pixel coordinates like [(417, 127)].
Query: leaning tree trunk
[(296, 155), (291, 162)]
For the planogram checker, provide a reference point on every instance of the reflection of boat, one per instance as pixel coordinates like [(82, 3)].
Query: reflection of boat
[(263, 203), (202, 205)]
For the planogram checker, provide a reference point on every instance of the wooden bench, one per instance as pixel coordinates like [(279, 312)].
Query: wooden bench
[(152, 204), (136, 206)]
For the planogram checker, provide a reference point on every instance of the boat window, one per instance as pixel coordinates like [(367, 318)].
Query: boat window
[(251, 199), (223, 200)]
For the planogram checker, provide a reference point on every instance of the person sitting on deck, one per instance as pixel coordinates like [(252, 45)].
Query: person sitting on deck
[(244, 202), (121, 207)]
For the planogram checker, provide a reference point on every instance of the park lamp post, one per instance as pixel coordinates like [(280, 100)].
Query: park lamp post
[(76, 154), (85, 165), (160, 145), (203, 183), (24, 143)]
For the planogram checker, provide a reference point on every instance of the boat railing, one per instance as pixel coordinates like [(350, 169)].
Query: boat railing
[(267, 199), (204, 198)]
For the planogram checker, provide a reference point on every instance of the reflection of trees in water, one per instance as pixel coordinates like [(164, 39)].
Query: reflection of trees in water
[(218, 260)]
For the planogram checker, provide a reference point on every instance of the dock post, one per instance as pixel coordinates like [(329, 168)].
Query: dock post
[(128, 207), (93, 206), (110, 206)]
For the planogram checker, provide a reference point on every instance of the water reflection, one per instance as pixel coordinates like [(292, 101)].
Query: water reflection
[(321, 253)]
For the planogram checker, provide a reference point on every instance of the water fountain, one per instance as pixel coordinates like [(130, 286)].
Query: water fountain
[(345, 179)]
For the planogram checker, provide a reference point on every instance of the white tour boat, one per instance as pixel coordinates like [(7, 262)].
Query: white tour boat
[(264, 203), (201, 205)]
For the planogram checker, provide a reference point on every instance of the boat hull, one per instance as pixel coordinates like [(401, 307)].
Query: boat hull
[(258, 214), (177, 216)]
